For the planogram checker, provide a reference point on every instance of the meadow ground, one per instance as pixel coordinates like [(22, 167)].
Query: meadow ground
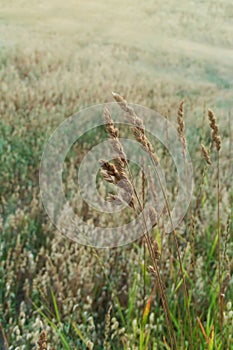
[(56, 58)]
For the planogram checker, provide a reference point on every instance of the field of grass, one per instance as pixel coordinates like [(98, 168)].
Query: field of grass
[(57, 58)]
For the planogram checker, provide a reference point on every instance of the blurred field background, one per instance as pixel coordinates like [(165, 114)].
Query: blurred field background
[(57, 57)]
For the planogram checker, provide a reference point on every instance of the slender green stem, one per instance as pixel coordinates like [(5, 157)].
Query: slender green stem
[(219, 249)]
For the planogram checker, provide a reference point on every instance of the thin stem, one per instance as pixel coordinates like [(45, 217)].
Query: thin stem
[(178, 253), (144, 272), (219, 249), (143, 242), (156, 269)]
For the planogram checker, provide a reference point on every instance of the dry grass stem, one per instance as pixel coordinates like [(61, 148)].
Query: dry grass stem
[(130, 189), (140, 136), (217, 142)]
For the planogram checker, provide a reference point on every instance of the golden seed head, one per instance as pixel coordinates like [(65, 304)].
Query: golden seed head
[(181, 109), (181, 126), (211, 116), (205, 154), (118, 97), (215, 130), (110, 128), (138, 128), (106, 176)]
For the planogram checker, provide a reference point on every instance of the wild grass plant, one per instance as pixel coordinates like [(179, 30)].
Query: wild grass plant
[(175, 294)]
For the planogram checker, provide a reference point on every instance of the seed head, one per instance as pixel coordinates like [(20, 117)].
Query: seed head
[(205, 154)]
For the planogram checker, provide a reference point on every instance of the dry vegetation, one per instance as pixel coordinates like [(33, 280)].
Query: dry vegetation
[(56, 58)]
